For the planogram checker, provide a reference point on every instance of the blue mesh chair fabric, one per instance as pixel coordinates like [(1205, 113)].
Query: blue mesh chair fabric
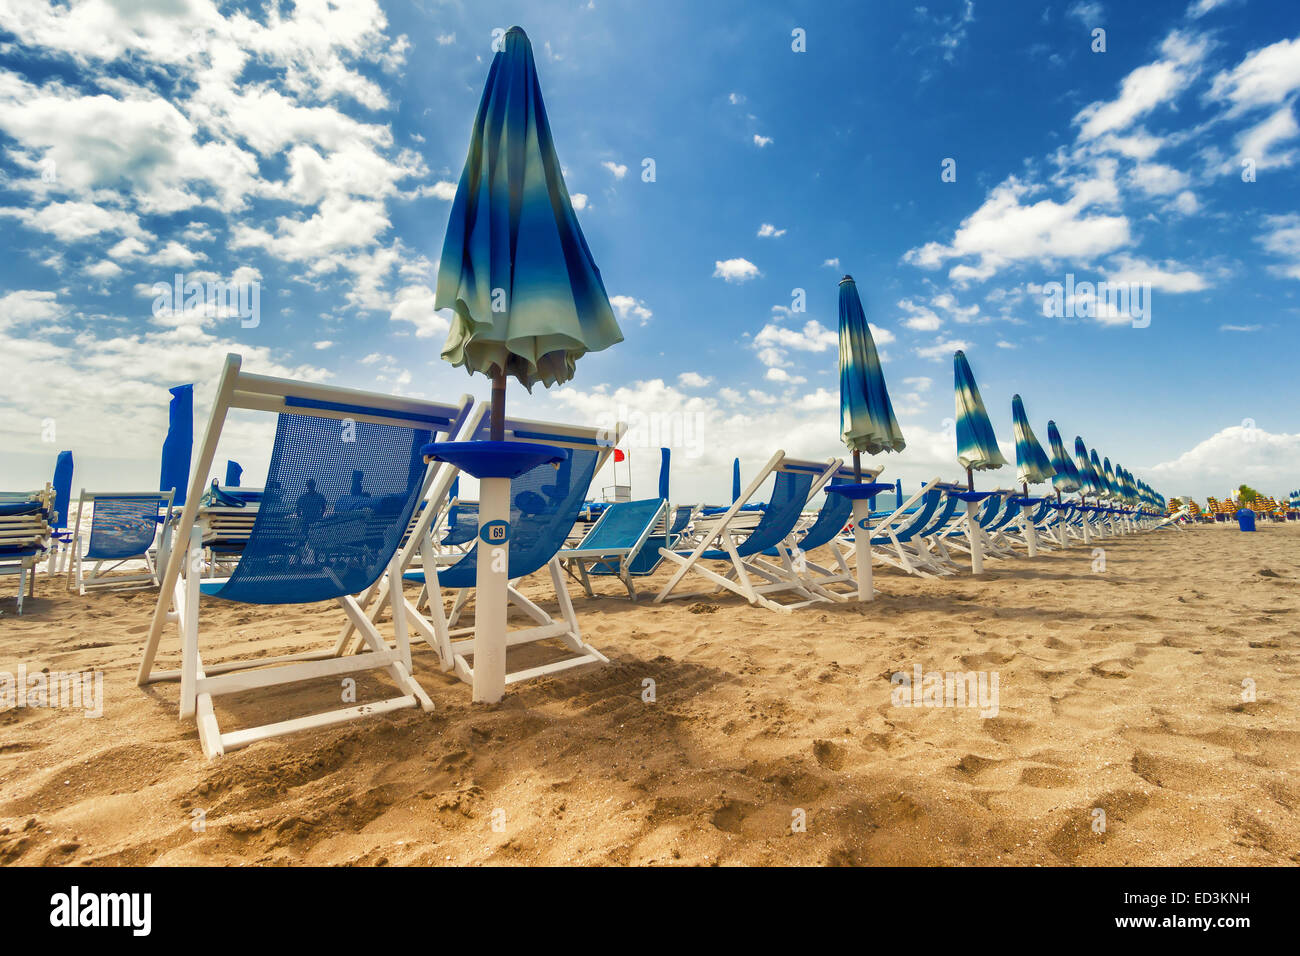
[(544, 504), (122, 527), (789, 495), (303, 548), (462, 524), (621, 527)]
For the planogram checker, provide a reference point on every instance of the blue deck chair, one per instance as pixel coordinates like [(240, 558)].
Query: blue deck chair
[(825, 531), (123, 527), (617, 543), (303, 547), (719, 540), (25, 530), (897, 538), (545, 503)]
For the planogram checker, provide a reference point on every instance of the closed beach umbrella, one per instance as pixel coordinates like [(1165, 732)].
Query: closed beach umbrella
[(179, 443), (234, 474), (867, 422), (1089, 484), (1099, 472), (62, 490), (1032, 466), (527, 298), (735, 479), (1065, 481), (665, 457), (977, 447), (527, 303)]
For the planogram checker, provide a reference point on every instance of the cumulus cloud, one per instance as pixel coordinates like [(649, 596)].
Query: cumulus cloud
[(735, 270)]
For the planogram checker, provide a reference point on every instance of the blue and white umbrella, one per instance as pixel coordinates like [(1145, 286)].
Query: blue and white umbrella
[(1066, 480), (527, 302), (1032, 464), (867, 422), (977, 446)]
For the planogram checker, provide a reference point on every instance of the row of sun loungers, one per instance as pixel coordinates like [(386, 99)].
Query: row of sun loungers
[(351, 508)]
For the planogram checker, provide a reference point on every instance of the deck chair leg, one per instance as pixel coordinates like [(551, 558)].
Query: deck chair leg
[(190, 629)]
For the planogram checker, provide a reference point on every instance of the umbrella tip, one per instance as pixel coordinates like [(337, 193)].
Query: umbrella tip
[(847, 278)]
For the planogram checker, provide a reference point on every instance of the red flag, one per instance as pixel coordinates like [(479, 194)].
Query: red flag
[(618, 454)]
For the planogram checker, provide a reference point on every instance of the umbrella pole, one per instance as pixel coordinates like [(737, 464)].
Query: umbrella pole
[(1031, 534), (973, 528), (1060, 521), (862, 536), (490, 605)]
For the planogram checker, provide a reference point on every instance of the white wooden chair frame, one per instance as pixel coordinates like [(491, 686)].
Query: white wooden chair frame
[(178, 601), (455, 645), (816, 577), (739, 577), (81, 580)]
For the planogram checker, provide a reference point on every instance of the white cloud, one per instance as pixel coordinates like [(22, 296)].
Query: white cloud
[(813, 337), (693, 380), (444, 190), (941, 349), (831, 263), (1004, 344), (1089, 13), (579, 201), (1266, 77), (414, 304), (446, 39), (1257, 143), (1170, 277), (1282, 239), (29, 305), (322, 345), (1265, 460), (626, 306), (1145, 88), (1240, 328), (617, 170), (735, 99), (1157, 179), (735, 270), (767, 230), (785, 378), (73, 220), (761, 141)]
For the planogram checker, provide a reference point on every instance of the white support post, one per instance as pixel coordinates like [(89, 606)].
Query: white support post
[(1031, 534), (862, 548), (973, 532), (490, 607)]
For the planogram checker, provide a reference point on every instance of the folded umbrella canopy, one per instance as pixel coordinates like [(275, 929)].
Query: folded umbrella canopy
[(1089, 483), (527, 298), (1032, 467), (1095, 461), (1066, 479), (867, 422), (1032, 464), (977, 448), (527, 302)]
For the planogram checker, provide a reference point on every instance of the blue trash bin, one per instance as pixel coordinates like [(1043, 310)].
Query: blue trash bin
[(1246, 519)]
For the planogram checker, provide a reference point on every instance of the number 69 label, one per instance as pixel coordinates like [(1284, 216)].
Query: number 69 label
[(495, 532)]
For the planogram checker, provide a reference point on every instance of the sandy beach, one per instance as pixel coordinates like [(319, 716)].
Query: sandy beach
[(771, 738)]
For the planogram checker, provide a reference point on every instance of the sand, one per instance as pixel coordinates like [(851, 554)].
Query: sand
[(1118, 691)]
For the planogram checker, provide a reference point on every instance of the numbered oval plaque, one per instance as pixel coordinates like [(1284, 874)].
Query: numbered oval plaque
[(495, 532)]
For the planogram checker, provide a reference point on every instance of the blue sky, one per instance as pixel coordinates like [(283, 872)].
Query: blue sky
[(313, 148)]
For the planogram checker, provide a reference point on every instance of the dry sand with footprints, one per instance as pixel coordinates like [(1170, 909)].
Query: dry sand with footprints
[(1119, 690)]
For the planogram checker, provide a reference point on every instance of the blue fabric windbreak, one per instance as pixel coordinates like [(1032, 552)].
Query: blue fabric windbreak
[(234, 474), (789, 495), (122, 528), (62, 490), (544, 504), (179, 444), (665, 458), (302, 548)]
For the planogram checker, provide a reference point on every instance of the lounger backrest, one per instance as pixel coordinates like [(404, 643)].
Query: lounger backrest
[(831, 519), (623, 525), (789, 495), (950, 503), (918, 520), (681, 518), (304, 547), (122, 526), (544, 504)]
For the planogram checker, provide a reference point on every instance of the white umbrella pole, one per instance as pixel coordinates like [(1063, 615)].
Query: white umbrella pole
[(973, 529), (490, 597), (1031, 535), (862, 547)]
